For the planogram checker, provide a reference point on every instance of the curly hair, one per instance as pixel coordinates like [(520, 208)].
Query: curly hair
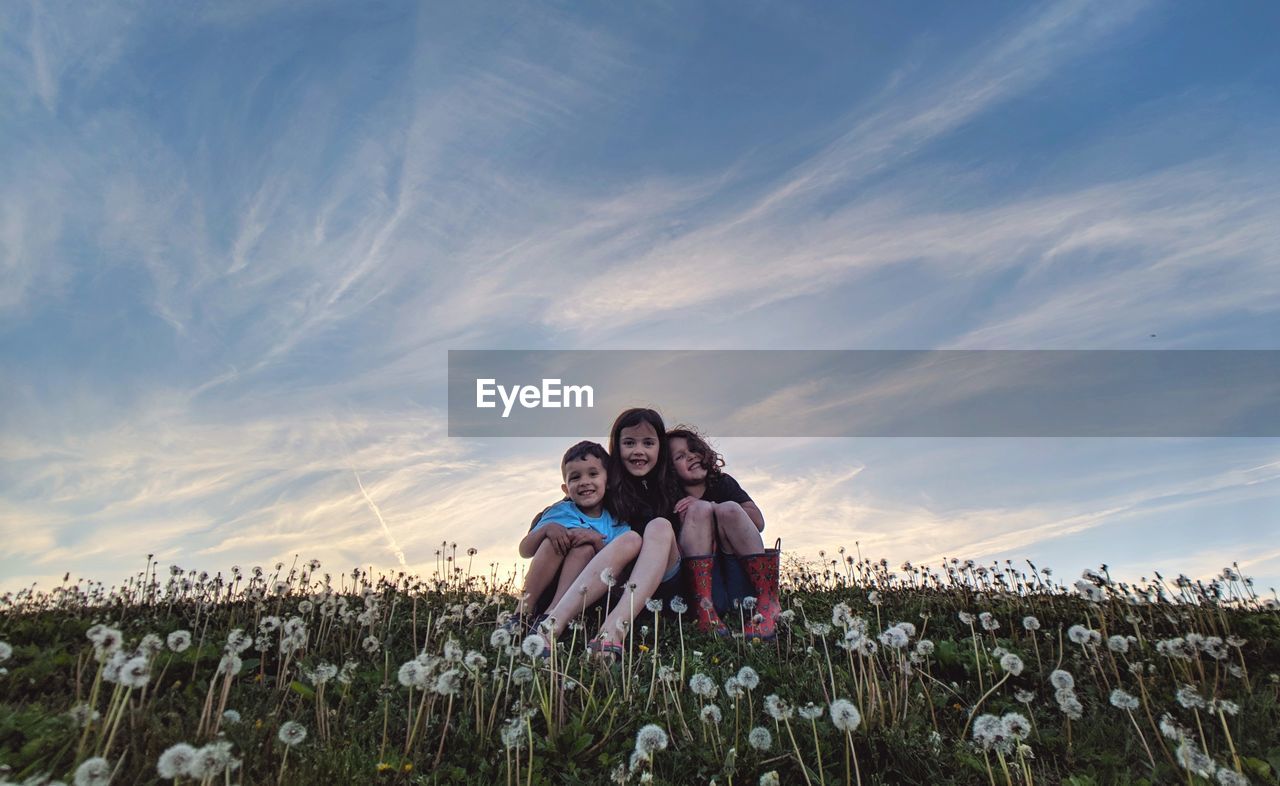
[(712, 461)]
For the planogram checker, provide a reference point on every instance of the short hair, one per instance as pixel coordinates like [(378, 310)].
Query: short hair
[(582, 450)]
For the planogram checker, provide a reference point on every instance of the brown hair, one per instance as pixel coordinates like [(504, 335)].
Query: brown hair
[(712, 461)]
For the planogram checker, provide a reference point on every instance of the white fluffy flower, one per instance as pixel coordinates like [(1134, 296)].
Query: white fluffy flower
[(703, 686), (811, 711), (173, 763), (844, 715), (748, 678), (1016, 725), (1030, 623), (650, 738), (1062, 679), (1122, 700), (93, 772), (291, 733), (777, 707), (231, 716), (760, 738), (1012, 664), (1118, 644), (136, 672), (711, 714), (449, 683), (534, 645), (770, 778)]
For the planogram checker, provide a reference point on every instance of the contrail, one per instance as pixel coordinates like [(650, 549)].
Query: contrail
[(391, 539)]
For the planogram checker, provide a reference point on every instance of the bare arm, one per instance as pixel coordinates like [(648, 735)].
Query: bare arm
[(556, 532)]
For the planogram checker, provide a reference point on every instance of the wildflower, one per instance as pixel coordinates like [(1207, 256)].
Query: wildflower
[(82, 715), (1015, 726), (667, 674), (678, 605), (1072, 708), (1079, 634), (811, 711), (989, 623), (1089, 591), (449, 683), (410, 673), (777, 707), (452, 650), (1189, 698), (291, 733), (238, 641), (1224, 706), (93, 772), (841, 615), (703, 686), (6, 651), (711, 714), (522, 675), (654, 605), (211, 760), (136, 672), (906, 627), (173, 763), (1030, 623), (748, 678), (322, 673), (988, 731), (513, 734), (607, 578), (1118, 644), (370, 644), (1228, 777), (150, 645), (1193, 760), (1062, 679), (770, 778), (965, 617), (1122, 700), (649, 739), (873, 598), (231, 716), (1012, 664), (534, 645), (475, 661), (499, 638), (1170, 729), (844, 715), (894, 637), (230, 664), (760, 738), (924, 648)]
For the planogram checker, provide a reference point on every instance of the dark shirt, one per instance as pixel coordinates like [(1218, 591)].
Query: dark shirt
[(725, 489)]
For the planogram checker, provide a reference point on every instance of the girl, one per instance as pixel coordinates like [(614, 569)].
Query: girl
[(715, 510), (642, 492)]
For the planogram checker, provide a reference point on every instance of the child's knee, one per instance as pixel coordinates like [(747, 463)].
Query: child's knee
[(661, 530), (628, 542)]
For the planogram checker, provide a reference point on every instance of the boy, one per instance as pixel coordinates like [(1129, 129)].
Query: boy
[(569, 533)]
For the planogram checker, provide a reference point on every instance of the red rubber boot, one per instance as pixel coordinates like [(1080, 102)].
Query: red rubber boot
[(698, 570), (762, 572)]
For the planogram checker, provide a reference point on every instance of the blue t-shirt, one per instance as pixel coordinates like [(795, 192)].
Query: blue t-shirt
[(570, 516)]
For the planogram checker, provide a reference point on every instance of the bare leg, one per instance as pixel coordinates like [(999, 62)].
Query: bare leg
[(577, 559), (542, 569), (738, 533), (588, 587), (658, 554), (697, 529)]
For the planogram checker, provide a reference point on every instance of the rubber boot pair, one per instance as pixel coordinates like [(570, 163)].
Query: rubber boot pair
[(762, 572), (699, 572)]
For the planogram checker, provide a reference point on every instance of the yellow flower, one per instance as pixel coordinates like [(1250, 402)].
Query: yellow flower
[(715, 658), (408, 766), (644, 647), (383, 766)]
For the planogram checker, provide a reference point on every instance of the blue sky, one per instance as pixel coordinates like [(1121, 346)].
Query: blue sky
[(236, 243)]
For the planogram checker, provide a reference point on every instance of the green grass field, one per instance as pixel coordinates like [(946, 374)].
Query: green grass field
[(953, 674)]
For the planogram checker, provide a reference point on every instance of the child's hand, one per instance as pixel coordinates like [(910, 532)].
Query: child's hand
[(587, 537), (560, 538), (684, 504)]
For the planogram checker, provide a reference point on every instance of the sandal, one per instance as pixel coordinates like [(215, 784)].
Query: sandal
[(605, 651)]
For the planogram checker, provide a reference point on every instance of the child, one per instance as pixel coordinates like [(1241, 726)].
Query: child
[(642, 491), (716, 510), (569, 533)]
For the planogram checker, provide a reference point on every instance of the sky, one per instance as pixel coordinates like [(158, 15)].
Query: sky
[(237, 241)]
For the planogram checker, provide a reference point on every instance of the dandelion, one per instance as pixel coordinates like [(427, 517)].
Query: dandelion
[(513, 734), (93, 772), (711, 714), (654, 605), (989, 623), (810, 711), (1015, 725), (678, 605), (238, 641), (1024, 696), (924, 648), (988, 731), (777, 707), (760, 738), (703, 686), (291, 733), (1012, 664), (1228, 777), (500, 638), (1122, 700), (894, 637), (965, 618), (231, 716), (748, 678), (534, 645), (522, 675), (475, 661), (175, 761), (607, 578), (649, 739), (135, 673), (410, 673), (1061, 679), (6, 651), (844, 715), (1189, 698), (1030, 623), (370, 644), (449, 683), (1224, 706), (1118, 644), (452, 650), (1190, 758), (770, 778), (230, 664)]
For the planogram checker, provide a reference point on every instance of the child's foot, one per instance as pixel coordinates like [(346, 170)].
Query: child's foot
[(607, 652)]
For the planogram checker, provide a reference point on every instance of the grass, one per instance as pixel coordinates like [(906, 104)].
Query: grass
[(400, 679)]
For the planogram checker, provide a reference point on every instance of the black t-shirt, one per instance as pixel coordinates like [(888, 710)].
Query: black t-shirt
[(725, 489)]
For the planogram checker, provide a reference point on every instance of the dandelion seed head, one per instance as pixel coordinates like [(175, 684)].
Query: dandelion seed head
[(678, 605), (1061, 679), (1024, 696), (748, 678), (770, 778), (654, 605), (760, 738), (844, 715), (173, 763), (777, 707), (533, 645), (291, 733), (448, 683), (1030, 623), (93, 772), (711, 714), (702, 685), (1015, 725), (651, 738), (1189, 698)]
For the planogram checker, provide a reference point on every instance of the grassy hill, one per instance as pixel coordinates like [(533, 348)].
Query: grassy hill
[(953, 674)]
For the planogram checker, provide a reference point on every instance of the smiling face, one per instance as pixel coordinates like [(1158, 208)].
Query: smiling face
[(688, 464), (584, 483), (638, 448)]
